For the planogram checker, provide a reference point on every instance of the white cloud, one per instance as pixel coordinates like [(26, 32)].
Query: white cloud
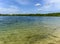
[(37, 4), (6, 8), (9, 10), (50, 6)]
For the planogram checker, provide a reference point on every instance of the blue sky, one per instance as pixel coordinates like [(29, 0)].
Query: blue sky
[(29, 6)]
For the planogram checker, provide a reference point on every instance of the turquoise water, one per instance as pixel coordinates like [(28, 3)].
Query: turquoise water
[(29, 30), (18, 22)]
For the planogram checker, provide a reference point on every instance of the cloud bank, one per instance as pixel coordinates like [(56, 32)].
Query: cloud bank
[(29, 6), (50, 6)]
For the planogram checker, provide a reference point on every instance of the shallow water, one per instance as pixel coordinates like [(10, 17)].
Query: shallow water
[(29, 30)]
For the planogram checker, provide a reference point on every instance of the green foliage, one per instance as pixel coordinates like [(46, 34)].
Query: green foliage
[(49, 14)]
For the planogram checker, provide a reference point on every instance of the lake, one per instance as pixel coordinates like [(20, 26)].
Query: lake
[(29, 20), (25, 29)]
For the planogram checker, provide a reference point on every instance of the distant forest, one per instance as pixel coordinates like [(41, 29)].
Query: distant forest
[(49, 14)]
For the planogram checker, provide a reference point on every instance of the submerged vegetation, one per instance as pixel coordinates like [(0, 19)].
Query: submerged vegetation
[(49, 14), (28, 35)]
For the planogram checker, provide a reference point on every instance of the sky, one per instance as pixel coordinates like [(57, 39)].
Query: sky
[(29, 6)]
